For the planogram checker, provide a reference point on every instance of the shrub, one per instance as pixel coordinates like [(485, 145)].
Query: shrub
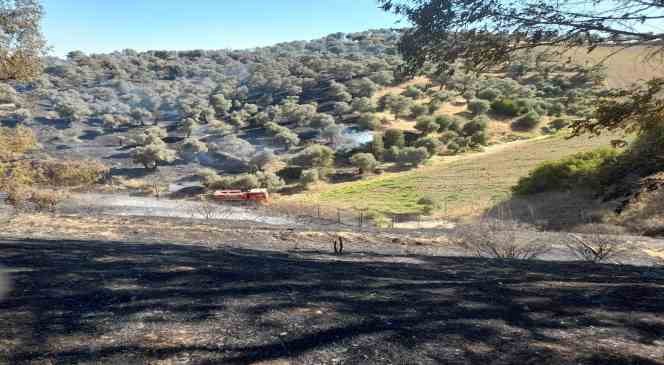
[(269, 181), (321, 121), (378, 146), (433, 106), (477, 124), (431, 144), (45, 200), (489, 94), (478, 106), (392, 154), (400, 106), (153, 154), (315, 156), (287, 139), (448, 122), (479, 138), (412, 92), (426, 125), (527, 122), (309, 177), (261, 160), (368, 121), (581, 170), (558, 124), (245, 182), (385, 101), (418, 110), (362, 105), (365, 162), (428, 203), (394, 137), (597, 243), (152, 135), (441, 96), (448, 136), (190, 148), (498, 239), (505, 107), (69, 173), (413, 156), (16, 141), (556, 109)]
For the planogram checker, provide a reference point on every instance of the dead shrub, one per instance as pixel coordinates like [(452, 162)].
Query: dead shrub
[(208, 210), (15, 141), (45, 200), (597, 242), (25, 199), (495, 238), (71, 173)]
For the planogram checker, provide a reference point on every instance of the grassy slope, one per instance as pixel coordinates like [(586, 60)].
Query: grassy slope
[(462, 185)]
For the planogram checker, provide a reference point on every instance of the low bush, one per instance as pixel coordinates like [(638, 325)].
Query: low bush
[(478, 106), (426, 125), (581, 170), (498, 239), (412, 92), (15, 142), (242, 182), (428, 203), (597, 243), (309, 177), (448, 137), (431, 144), (368, 121), (314, 156), (528, 122), (418, 110), (489, 94), (270, 181), (413, 156), (505, 107), (394, 137), (477, 124), (365, 162)]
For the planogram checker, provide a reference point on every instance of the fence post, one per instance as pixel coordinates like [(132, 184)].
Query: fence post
[(319, 211), (361, 218), (338, 215)]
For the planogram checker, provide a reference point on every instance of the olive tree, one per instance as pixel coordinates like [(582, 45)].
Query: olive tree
[(365, 162)]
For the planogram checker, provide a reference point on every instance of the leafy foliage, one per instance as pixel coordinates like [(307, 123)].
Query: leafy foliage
[(579, 170)]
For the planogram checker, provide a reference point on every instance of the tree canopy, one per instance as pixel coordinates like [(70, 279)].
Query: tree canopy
[(484, 33), (22, 45)]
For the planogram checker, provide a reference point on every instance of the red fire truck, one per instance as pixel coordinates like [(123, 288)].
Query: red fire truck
[(253, 195)]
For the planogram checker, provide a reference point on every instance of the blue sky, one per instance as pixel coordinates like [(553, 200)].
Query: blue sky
[(96, 26)]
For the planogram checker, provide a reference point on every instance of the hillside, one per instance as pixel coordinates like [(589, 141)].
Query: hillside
[(461, 185), (290, 116)]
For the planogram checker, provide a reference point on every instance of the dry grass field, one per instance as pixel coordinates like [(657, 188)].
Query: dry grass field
[(624, 67)]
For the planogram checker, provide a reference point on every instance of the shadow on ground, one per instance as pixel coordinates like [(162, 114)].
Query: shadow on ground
[(110, 302)]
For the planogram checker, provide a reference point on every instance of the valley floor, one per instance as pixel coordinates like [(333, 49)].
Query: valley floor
[(120, 290)]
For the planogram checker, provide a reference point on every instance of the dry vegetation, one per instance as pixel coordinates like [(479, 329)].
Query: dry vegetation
[(623, 68)]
